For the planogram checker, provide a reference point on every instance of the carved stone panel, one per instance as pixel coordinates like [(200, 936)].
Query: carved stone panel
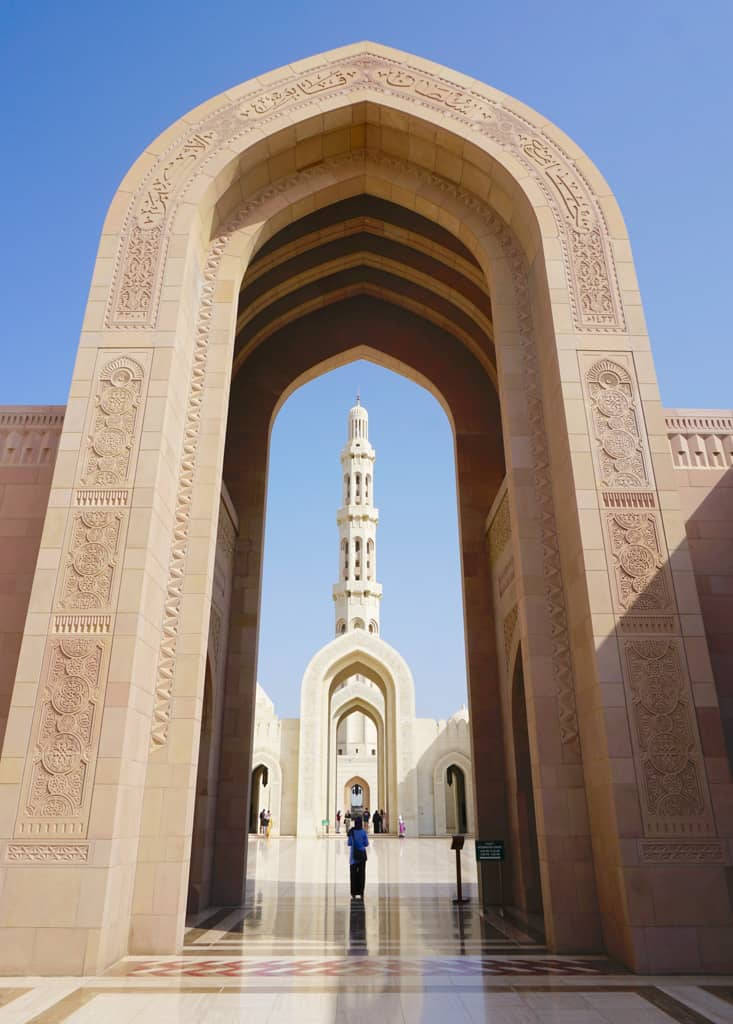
[(108, 460), (91, 559), (674, 795), (619, 436), (59, 773), (637, 550)]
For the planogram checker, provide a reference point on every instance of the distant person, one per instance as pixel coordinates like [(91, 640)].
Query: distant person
[(263, 821), (358, 841), (377, 823), (402, 828), (347, 821), (385, 820), (338, 821), (366, 820), (268, 823)]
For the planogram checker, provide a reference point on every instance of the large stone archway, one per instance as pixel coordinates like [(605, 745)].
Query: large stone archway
[(100, 753)]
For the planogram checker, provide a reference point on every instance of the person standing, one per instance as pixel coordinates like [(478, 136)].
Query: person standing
[(377, 822), (263, 821), (366, 820), (338, 822), (402, 827), (347, 821), (358, 841), (268, 826)]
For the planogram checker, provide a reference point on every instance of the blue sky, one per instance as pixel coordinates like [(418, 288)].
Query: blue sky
[(645, 88)]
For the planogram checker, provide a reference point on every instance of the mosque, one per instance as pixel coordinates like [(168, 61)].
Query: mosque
[(372, 752)]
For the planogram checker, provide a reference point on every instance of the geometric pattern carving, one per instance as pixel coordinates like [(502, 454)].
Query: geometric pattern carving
[(685, 851), (510, 625), (115, 413), (95, 537), (45, 853), (65, 739), (666, 738), (500, 531), (589, 267), (639, 566), (616, 426)]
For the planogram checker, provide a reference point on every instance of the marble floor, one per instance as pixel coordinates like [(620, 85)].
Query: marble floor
[(300, 949)]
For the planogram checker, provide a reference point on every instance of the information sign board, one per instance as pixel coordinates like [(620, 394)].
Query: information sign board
[(489, 849)]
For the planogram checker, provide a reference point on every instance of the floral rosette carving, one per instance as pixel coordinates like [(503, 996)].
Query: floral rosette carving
[(635, 544), (666, 740), (65, 731), (116, 407), (91, 560), (616, 426)]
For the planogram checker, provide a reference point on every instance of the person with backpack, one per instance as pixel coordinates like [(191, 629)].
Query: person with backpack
[(358, 841)]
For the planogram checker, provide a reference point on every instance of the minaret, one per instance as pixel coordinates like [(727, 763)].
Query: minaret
[(357, 594)]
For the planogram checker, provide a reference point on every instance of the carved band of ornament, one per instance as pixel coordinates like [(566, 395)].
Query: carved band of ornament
[(703, 441), (648, 624), (116, 411), (620, 450), (562, 666), (65, 738), (505, 578), (82, 624), (226, 534), (500, 530), (98, 499), (18, 416), (135, 292), (629, 499), (673, 785), (45, 853), (186, 474), (684, 851), (510, 625)]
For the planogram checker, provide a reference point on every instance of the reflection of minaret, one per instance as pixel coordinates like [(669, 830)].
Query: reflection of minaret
[(357, 594)]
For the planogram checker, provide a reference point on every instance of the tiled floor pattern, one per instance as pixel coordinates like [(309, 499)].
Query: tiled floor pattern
[(300, 952)]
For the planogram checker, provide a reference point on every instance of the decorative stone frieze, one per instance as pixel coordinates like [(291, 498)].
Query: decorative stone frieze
[(589, 265), (686, 851), (48, 853), (58, 782)]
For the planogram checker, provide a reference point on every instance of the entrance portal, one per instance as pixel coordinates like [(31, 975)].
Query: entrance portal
[(363, 204)]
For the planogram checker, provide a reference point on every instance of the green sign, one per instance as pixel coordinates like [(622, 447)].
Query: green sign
[(324, 822), (489, 849)]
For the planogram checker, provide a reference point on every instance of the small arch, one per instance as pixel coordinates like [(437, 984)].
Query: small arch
[(374, 627), (357, 624), (340, 627)]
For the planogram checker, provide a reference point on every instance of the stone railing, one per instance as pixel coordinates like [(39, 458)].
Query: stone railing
[(29, 434), (700, 438)]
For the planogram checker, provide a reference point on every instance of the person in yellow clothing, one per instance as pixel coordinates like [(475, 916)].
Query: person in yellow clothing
[(269, 825)]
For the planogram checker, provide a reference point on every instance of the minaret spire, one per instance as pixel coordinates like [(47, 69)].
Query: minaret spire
[(357, 594)]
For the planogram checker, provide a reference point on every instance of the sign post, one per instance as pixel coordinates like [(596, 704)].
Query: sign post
[(492, 850), (457, 845)]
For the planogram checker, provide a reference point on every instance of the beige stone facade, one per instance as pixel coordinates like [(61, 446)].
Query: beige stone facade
[(486, 258)]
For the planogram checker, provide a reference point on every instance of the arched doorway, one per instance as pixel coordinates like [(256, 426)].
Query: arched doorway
[(357, 795), (232, 270), (259, 798), (456, 813)]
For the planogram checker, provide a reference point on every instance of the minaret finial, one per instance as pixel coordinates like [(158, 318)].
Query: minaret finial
[(358, 396)]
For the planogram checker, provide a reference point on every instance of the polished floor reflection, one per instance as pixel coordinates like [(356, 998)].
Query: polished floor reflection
[(300, 949)]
